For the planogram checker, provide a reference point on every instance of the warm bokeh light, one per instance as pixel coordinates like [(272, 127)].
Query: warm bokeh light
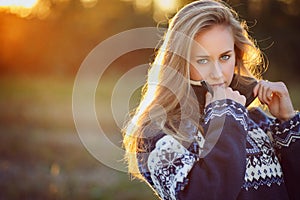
[(159, 8), (89, 3), (142, 5), (162, 8), (18, 3), (166, 5), (43, 44), (21, 8)]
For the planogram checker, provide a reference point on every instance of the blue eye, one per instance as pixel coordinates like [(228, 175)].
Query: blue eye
[(225, 57), (202, 61)]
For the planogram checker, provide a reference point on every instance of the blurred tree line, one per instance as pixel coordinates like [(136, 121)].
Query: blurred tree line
[(56, 43)]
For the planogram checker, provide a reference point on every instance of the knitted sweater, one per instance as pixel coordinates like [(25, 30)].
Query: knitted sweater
[(242, 154)]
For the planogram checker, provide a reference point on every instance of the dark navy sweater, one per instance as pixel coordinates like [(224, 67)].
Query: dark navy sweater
[(241, 154)]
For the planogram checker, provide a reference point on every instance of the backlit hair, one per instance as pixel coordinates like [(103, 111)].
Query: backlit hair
[(167, 97)]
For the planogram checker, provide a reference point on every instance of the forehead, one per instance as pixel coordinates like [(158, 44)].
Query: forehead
[(214, 39)]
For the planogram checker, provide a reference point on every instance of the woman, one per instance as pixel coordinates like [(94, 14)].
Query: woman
[(187, 143)]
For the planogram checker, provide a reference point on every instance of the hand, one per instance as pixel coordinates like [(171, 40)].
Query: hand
[(276, 96), (221, 92)]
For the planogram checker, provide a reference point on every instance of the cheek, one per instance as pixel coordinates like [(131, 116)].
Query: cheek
[(230, 70), (195, 74)]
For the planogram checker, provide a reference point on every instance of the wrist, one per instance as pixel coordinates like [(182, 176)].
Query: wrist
[(288, 116)]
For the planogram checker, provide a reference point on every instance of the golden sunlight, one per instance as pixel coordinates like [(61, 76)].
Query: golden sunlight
[(89, 3), (21, 8), (166, 5), (18, 3), (143, 5), (162, 8)]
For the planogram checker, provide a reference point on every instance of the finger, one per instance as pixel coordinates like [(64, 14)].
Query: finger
[(255, 90), (261, 93), (279, 89), (239, 98), (243, 100), (208, 98), (274, 88), (219, 92), (269, 94), (266, 91)]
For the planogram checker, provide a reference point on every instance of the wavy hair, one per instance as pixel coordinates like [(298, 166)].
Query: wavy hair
[(168, 103)]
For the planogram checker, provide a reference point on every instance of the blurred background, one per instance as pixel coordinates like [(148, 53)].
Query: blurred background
[(42, 45)]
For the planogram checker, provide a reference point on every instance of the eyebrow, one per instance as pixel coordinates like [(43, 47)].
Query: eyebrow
[(206, 56)]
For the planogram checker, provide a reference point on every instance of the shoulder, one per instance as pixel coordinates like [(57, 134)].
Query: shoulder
[(153, 133), (149, 137), (169, 165), (165, 161)]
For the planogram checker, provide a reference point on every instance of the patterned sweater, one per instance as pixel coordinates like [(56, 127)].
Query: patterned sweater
[(242, 154)]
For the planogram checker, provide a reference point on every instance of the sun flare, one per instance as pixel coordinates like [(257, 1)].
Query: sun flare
[(22, 8), (166, 5), (18, 3)]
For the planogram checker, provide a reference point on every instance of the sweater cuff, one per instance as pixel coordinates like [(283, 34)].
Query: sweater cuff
[(227, 107), (286, 132)]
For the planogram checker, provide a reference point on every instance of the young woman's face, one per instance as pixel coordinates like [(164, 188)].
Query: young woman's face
[(213, 56)]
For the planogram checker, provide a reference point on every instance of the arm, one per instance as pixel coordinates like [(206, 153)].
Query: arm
[(218, 172), (286, 137), (285, 131)]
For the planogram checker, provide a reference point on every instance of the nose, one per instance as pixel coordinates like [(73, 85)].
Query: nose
[(216, 71)]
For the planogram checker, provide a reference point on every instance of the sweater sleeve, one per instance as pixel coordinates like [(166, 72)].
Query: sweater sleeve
[(220, 171), (287, 142)]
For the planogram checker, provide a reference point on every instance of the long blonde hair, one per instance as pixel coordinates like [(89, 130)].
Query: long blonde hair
[(167, 98)]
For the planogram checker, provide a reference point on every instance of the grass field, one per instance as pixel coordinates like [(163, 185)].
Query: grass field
[(41, 155)]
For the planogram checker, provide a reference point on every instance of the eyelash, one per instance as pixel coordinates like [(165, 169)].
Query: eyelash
[(227, 57), (202, 61), (205, 61)]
